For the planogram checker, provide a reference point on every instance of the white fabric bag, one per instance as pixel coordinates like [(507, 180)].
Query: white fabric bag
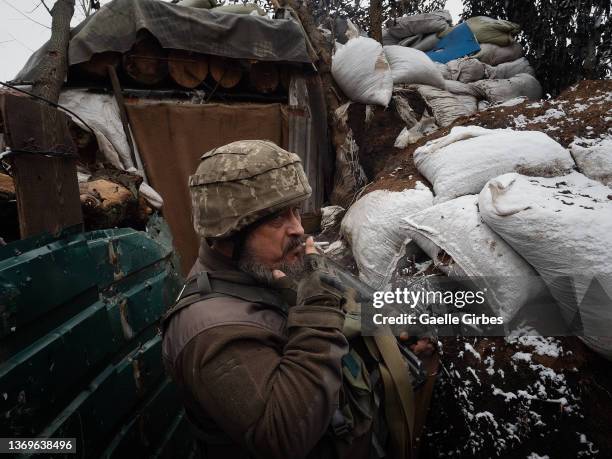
[(464, 160)]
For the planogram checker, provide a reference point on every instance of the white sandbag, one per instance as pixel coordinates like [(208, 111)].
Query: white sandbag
[(152, 196), (453, 235), (563, 227), (331, 217), (420, 42), (494, 55), (464, 160), (594, 158), (447, 107), (417, 24), (362, 72), (498, 91), (388, 39), (443, 68), (508, 69), (412, 66), (372, 228), (424, 126), (466, 69)]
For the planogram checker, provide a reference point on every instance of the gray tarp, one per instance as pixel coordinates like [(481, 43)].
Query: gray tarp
[(115, 26)]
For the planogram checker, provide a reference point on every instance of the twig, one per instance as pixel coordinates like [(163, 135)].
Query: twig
[(25, 15), (45, 5)]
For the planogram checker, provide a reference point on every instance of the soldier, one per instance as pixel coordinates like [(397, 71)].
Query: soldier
[(260, 359)]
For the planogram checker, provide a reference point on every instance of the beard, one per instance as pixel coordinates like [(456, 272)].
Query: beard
[(252, 265)]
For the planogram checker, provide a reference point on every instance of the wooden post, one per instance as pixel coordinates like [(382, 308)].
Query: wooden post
[(46, 186)]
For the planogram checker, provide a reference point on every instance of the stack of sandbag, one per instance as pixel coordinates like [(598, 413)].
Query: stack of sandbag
[(499, 91), (361, 70), (417, 31), (463, 161), (494, 31), (412, 66), (372, 228), (563, 227), (453, 236)]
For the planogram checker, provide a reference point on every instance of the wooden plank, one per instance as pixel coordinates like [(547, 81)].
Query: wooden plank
[(46, 187), (125, 123)]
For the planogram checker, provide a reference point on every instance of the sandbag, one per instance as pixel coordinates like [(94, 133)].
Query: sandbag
[(461, 162), (443, 68), (426, 23), (361, 70), (466, 70), (412, 66), (509, 69), (496, 31), (388, 39), (464, 89), (372, 228), (594, 158), (563, 227), (498, 91), (447, 107), (420, 42), (247, 8), (205, 4), (495, 55), (453, 235)]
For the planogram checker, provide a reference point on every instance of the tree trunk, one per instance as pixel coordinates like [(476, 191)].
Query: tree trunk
[(46, 187), (376, 20), (55, 64)]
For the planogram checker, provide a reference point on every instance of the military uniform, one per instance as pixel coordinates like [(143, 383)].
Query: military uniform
[(266, 371)]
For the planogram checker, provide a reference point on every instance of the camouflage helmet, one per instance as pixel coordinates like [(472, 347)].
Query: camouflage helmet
[(241, 182)]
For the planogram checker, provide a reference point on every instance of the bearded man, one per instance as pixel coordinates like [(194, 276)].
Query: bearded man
[(260, 359)]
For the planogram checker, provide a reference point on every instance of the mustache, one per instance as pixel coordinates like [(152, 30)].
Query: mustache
[(293, 244)]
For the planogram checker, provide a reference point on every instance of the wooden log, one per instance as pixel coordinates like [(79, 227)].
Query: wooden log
[(226, 72), (264, 77), (97, 66), (7, 187), (285, 76), (46, 186), (146, 62), (186, 68), (105, 203)]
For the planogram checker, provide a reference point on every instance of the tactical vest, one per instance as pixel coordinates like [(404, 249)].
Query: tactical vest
[(380, 400)]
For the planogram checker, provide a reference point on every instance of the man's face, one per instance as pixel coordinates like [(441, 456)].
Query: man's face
[(275, 244)]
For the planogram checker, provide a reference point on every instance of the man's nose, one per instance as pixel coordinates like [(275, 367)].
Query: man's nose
[(294, 227)]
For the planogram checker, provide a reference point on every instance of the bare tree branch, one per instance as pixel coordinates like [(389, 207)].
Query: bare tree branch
[(25, 15), (45, 5)]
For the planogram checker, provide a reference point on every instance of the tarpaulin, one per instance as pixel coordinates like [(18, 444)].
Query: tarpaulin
[(458, 43), (171, 138), (115, 26)]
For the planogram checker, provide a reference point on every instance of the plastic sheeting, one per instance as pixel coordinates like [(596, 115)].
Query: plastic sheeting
[(563, 227), (372, 228), (478, 253), (464, 160), (115, 27), (458, 43), (361, 70)]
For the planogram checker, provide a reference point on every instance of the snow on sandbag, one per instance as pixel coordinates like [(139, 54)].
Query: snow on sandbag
[(508, 69), (362, 72), (447, 107), (412, 66), (521, 85), (466, 69), (461, 162), (496, 31), (417, 24), (563, 227), (594, 158), (495, 55), (372, 228), (453, 235)]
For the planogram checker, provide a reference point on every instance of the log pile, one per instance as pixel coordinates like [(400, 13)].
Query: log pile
[(148, 64)]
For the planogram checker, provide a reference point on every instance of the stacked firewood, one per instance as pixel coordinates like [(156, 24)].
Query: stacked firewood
[(148, 63)]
